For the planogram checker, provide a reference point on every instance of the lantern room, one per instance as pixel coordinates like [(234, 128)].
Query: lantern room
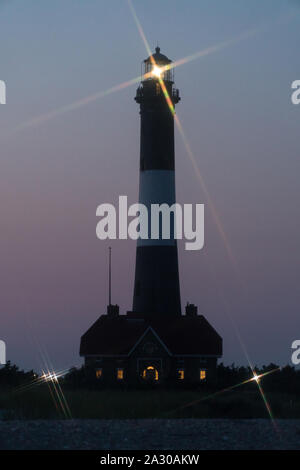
[(157, 81), (158, 66)]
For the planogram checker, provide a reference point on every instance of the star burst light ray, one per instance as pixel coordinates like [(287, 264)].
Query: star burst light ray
[(101, 94), (190, 153), (75, 105), (39, 379), (52, 377), (243, 347), (255, 377), (49, 376), (58, 396)]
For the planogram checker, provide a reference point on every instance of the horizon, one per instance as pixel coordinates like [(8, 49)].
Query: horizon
[(58, 166)]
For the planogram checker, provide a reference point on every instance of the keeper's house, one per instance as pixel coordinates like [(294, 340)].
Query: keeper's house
[(134, 349)]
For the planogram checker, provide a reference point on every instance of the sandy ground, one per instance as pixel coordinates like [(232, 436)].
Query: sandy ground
[(180, 434)]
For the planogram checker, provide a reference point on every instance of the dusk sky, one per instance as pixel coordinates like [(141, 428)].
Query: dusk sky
[(239, 121)]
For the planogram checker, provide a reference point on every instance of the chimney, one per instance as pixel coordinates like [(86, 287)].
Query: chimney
[(191, 310), (113, 310)]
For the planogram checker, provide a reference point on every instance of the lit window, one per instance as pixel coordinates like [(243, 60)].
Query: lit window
[(180, 374), (202, 374), (98, 373), (120, 374), (150, 373)]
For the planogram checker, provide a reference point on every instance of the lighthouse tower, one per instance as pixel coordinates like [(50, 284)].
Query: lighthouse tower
[(154, 343), (156, 287)]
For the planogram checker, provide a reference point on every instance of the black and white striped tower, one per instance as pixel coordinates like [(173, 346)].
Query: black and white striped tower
[(156, 288)]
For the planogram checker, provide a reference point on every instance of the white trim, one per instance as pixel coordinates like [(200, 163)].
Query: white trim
[(143, 335), (157, 187)]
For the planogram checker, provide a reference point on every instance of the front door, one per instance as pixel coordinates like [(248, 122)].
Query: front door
[(150, 374)]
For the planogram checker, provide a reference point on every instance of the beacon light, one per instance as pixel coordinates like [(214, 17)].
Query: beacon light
[(156, 71)]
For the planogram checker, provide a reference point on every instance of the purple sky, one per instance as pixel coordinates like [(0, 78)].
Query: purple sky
[(240, 123)]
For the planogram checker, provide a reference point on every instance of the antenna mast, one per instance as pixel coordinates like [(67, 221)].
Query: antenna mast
[(109, 276)]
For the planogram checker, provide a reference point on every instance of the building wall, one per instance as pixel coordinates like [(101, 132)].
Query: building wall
[(151, 353)]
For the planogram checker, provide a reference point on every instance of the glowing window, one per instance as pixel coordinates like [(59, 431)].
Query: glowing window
[(150, 373), (202, 374), (98, 373), (120, 374), (180, 374)]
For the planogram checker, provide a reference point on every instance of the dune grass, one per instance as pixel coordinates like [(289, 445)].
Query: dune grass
[(37, 403)]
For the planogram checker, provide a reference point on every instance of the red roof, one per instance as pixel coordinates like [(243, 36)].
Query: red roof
[(180, 334)]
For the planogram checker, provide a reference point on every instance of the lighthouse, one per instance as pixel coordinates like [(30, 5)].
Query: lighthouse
[(154, 342), (156, 286)]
